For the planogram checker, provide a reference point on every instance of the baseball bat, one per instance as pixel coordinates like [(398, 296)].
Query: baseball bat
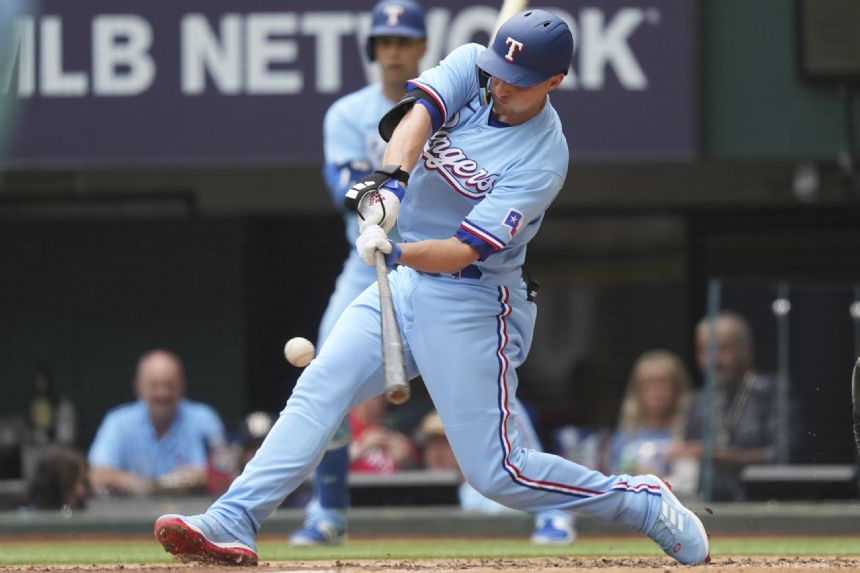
[(855, 396), (396, 385), (509, 8)]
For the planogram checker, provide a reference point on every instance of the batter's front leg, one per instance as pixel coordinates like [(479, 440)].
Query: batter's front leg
[(348, 370)]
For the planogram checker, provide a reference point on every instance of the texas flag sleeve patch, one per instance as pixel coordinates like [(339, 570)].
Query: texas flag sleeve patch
[(512, 221)]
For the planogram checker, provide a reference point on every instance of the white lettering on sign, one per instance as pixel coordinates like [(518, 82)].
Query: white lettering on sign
[(268, 48), (605, 46), (53, 79), (219, 55), (328, 28), (268, 53), (464, 26), (122, 65)]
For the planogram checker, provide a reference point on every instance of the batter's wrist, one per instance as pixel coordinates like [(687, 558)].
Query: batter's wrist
[(395, 172), (392, 258), (396, 187)]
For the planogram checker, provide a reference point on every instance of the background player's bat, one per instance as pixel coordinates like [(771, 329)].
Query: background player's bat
[(509, 8), (396, 385), (855, 397)]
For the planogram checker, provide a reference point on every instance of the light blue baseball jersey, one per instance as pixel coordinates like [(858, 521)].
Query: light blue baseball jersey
[(126, 439), (487, 183)]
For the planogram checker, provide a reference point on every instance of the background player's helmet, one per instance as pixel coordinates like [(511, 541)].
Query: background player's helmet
[(530, 47), (395, 18)]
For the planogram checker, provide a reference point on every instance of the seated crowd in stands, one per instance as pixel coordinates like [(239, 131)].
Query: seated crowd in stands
[(660, 427), (165, 443)]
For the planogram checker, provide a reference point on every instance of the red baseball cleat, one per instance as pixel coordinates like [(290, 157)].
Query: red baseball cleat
[(201, 538)]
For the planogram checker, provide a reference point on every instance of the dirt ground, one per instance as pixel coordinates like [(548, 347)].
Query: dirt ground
[(539, 565)]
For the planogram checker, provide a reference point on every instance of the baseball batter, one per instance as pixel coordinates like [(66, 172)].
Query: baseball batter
[(484, 156), (353, 149)]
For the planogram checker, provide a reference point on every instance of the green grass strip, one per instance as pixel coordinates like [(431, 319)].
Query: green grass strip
[(88, 551)]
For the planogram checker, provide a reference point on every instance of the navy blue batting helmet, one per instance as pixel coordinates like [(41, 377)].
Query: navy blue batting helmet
[(403, 18), (530, 47)]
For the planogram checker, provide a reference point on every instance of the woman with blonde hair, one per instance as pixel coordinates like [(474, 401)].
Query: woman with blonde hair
[(652, 414)]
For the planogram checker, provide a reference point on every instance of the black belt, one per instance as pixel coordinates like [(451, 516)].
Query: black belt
[(473, 272), (469, 272)]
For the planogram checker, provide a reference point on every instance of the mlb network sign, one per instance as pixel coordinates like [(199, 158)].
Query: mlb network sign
[(157, 82)]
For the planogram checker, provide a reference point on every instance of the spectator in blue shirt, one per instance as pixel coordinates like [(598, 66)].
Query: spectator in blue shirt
[(158, 443), (653, 414)]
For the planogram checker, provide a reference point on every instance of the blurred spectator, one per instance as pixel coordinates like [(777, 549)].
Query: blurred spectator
[(59, 480), (158, 443), (375, 448), (653, 414), (437, 455), (744, 407)]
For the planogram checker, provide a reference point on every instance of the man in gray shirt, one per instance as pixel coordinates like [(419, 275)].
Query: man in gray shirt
[(744, 408)]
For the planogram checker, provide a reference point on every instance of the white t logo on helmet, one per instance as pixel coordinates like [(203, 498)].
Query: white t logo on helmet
[(513, 48), (394, 13)]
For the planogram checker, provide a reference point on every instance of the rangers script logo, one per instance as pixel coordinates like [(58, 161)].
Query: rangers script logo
[(451, 163)]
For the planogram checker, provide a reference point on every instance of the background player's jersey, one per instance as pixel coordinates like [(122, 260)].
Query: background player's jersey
[(352, 145), (474, 180), (353, 148)]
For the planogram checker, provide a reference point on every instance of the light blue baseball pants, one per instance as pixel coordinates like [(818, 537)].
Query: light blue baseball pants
[(466, 339)]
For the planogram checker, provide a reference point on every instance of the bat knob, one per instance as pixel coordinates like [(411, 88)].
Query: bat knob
[(397, 395)]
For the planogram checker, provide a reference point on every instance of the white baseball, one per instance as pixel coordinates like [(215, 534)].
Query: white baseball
[(299, 351)]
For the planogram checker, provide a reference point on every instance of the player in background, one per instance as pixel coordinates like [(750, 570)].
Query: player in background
[(482, 151), (353, 149)]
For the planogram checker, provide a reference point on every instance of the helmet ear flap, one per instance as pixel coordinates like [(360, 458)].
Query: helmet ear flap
[(368, 50), (484, 94)]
